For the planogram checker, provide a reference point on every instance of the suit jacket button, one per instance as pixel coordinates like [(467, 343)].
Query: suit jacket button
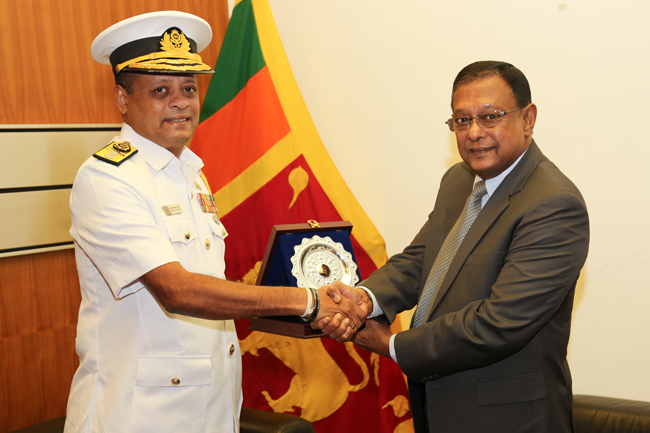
[(232, 349), (176, 381)]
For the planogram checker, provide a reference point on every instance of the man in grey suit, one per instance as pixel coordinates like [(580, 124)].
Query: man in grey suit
[(486, 351)]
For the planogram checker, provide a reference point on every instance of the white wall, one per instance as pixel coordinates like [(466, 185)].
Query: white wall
[(376, 77)]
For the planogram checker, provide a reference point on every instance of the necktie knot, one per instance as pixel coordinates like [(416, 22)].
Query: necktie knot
[(479, 189)]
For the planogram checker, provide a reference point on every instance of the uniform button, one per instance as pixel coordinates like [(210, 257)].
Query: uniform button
[(207, 244), (187, 234), (232, 349), (176, 381)]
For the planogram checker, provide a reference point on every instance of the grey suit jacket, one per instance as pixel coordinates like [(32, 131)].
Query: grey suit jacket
[(492, 355)]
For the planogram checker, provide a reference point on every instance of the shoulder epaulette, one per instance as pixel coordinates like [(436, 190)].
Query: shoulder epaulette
[(116, 152)]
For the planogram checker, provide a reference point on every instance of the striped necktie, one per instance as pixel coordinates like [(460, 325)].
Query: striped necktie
[(447, 252)]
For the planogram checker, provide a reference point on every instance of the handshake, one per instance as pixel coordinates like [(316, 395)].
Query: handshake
[(342, 316)]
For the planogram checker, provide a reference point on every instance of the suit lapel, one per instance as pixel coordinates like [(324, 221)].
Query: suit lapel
[(498, 202)]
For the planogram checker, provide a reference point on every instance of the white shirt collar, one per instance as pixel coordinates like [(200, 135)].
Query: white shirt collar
[(156, 156), (492, 184)]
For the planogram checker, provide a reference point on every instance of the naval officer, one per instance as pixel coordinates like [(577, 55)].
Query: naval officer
[(157, 347)]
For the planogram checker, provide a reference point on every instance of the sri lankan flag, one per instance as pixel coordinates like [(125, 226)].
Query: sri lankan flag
[(266, 165)]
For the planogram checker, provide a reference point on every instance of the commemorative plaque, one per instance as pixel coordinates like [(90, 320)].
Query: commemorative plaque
[(308, 255)]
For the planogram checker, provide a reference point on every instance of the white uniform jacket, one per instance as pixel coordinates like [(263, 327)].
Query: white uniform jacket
[(141, 368)]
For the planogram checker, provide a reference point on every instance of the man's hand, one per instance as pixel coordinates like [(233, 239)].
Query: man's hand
[(337, 326), (339, 317), (359, 296), (375, 337)]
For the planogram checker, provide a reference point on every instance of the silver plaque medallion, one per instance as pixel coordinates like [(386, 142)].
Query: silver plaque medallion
[(320, 261)]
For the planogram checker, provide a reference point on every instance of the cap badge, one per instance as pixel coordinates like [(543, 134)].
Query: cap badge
[(176, 41)]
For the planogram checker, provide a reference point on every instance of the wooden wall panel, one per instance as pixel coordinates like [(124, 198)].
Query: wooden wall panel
[(39, 304), (48, 74), (50, 78)]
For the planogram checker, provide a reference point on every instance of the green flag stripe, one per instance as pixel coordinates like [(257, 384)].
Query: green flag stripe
[(240, 58)]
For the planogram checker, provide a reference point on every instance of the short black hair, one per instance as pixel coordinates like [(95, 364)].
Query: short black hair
[(126, 80), (485, 68)]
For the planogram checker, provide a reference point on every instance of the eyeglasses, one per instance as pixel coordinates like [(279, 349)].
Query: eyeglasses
[(486, 120)]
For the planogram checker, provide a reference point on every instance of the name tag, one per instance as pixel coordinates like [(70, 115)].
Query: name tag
[(172, 209)]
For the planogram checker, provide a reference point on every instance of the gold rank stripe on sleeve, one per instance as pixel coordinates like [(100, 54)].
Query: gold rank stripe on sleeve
[(116, 152)]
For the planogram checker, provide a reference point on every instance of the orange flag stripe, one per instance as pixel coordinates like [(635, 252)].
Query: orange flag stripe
[(258, 105)]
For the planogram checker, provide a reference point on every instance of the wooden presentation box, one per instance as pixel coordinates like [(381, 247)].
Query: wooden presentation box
[(276, 269)]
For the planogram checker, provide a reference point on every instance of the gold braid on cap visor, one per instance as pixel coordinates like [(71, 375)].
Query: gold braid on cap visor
[(164, 60)]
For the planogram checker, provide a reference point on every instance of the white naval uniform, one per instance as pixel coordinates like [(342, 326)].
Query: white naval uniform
[(141, 368)]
